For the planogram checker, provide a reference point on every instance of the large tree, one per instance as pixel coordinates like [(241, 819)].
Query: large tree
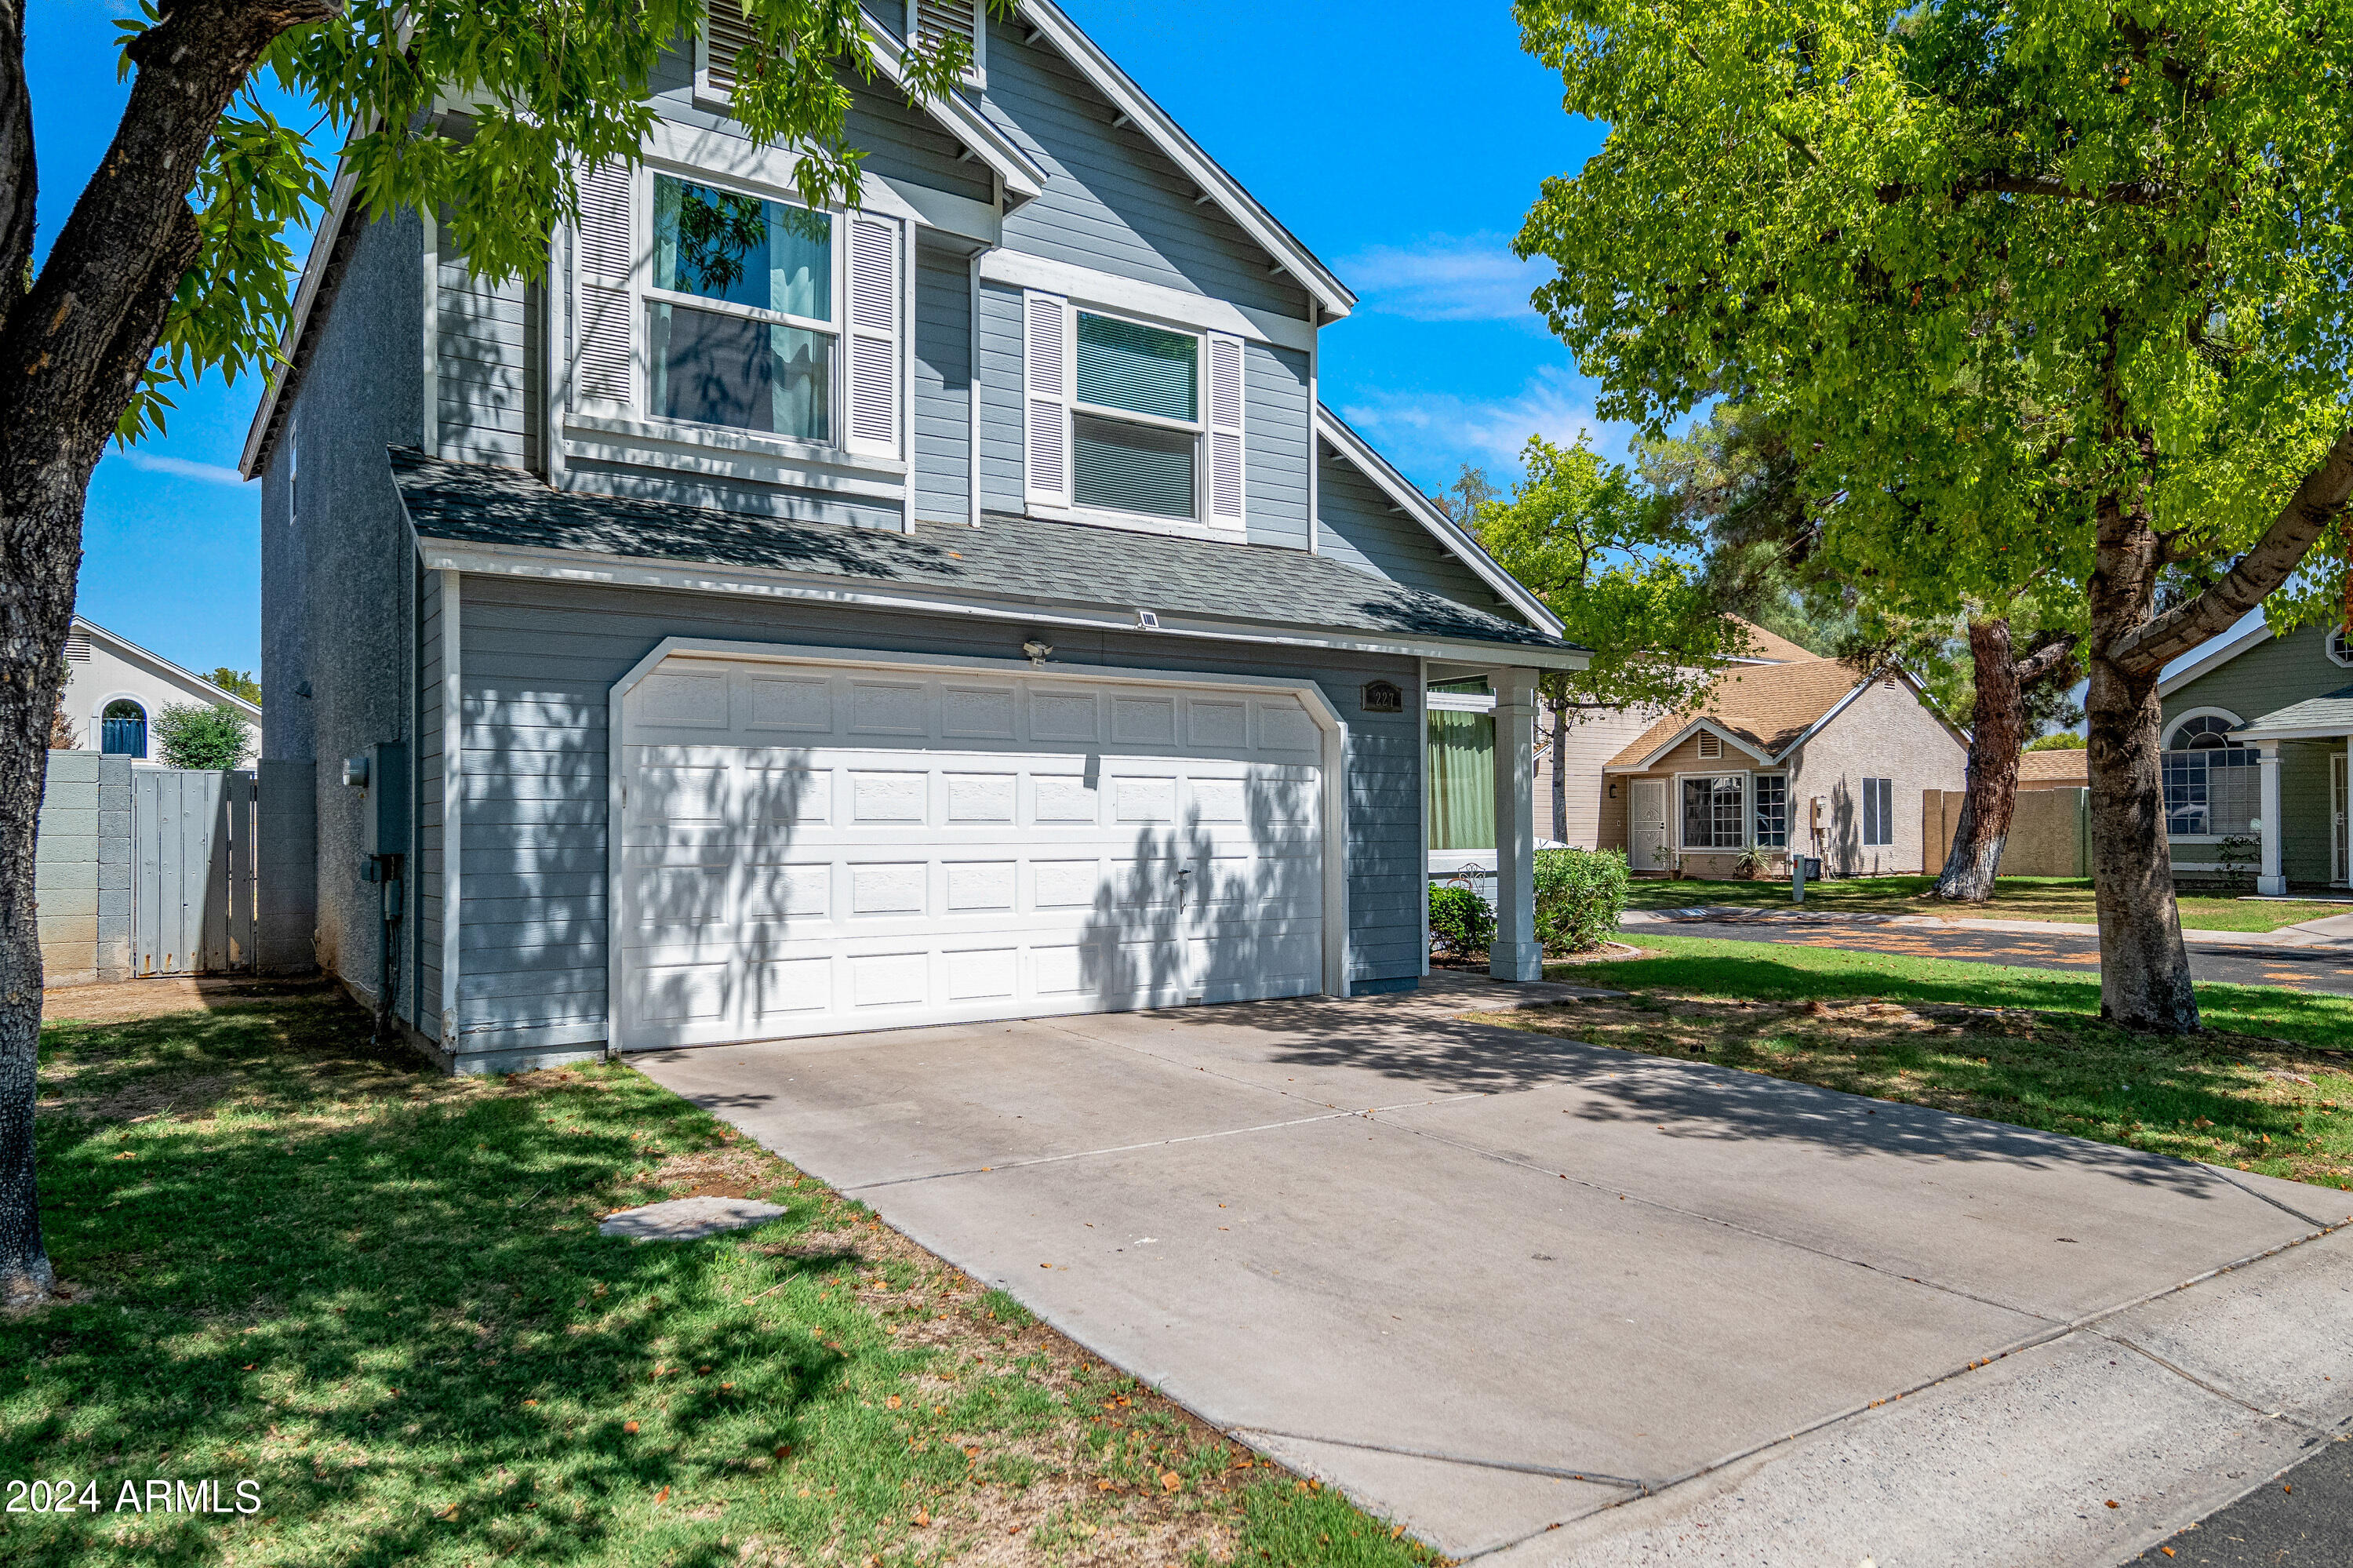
[(176, 260), (2107, 245), (1616, 562)]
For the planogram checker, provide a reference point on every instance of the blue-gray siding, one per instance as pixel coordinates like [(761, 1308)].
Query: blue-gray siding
[(538, 663), (942, 386), (1360, 527), (1112, 200), (1274, 444), (486, 379), (1000, 398), (428, 865)]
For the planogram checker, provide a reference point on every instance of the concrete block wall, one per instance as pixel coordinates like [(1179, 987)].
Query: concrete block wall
[(2049, 830), (83, 869)]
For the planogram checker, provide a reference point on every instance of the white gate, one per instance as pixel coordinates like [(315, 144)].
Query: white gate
[(191, 885)]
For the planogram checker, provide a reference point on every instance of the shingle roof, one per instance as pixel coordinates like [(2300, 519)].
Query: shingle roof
[(2332, 710), (1767, 705), (2064, 765), (1007, 557), (1763, 644)]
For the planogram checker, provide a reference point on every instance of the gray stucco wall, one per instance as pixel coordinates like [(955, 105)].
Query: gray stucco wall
[(337, 572), (2265, 678), (538, 660), (82, 869)]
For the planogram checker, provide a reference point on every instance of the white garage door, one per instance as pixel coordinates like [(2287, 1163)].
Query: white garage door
[(807, 849)]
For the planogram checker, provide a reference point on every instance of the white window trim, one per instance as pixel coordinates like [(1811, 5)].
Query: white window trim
[(1748, 810), (642, 292), (1788, 801), (2334, 639), (2173, 725)]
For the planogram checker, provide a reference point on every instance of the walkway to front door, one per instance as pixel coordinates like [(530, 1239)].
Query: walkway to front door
[(1493, 1283)]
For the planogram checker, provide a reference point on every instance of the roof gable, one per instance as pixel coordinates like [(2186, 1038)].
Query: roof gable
[(123, 648), (1766, 708), (1359, 454)]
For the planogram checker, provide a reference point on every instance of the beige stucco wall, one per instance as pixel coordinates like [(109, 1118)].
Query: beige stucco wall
[(2048, 834), (106, 673), (1591, 742), (1882, 733)]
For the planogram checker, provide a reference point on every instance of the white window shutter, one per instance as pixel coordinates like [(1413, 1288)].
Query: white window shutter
[(1046, 397), (601, 261), (1225, 430), (873, 337)]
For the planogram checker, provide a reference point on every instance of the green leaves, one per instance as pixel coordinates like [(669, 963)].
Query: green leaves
[(485, 113)]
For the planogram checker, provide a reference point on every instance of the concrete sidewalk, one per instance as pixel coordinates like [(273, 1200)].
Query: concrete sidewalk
[(1562, 1304), (2332, 930)]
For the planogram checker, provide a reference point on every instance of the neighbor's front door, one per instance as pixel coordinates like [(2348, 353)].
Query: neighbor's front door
[(1647, 836)]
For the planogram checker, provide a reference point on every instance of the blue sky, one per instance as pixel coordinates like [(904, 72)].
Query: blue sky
[(1403, 143)]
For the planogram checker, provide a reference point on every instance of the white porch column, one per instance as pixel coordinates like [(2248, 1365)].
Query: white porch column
[(2271, 881), (1515, 954)]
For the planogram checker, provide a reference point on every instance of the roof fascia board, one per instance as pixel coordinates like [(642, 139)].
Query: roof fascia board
[(1651, 758), (2215, 656), (124, 647), (1022, 176), (585, 567), (1394, 485), (1260, 225), (2337, 730), (324, 241)]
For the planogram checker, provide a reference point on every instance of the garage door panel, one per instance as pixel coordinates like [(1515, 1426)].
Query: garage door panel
[(849, 851)]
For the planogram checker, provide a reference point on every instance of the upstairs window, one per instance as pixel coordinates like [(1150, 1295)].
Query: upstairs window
[(739, 326), (1127, 418), (703, 305)]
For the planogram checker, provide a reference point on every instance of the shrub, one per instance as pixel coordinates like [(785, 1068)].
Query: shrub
[(1579, 895), (1754, 863), (1460, 922), (2238, 856), (187, 735)]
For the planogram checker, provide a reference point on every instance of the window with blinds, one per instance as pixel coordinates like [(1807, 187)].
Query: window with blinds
[(1135, 419)]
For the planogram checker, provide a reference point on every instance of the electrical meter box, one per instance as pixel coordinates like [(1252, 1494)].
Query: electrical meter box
[(384, 813)]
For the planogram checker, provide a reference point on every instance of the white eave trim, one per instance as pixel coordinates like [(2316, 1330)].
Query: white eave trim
[(1022, 176), (123, 648), (1345, 441), (306, 295), (584, 566), (1650, 759), (1291, 257), (2216, 654), (2340, 730)]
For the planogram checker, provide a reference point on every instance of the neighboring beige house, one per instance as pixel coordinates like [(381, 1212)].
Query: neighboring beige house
[(114, 689), (1801, 755)]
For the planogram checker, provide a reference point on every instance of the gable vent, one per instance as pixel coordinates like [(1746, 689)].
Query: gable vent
[(1710, 745), (730, 34), (78, 649), (936, 19)]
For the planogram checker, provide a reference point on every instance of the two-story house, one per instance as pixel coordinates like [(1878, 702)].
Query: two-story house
[(957, 608)]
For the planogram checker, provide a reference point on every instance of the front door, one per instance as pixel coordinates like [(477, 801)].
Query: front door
[(1646, 840), (2340, 822)]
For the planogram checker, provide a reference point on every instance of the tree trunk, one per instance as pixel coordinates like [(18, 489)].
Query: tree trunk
[(76, 347), (2144, 967), (1996, 735), (1559, 773)]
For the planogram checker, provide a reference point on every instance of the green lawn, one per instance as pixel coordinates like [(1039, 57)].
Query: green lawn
[(2015, 898), (380, 1296), (2268, 1087)]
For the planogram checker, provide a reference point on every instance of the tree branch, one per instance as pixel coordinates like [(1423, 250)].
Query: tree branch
[(2125, 193), (2318, 502), (19, 176), (2047, 661)]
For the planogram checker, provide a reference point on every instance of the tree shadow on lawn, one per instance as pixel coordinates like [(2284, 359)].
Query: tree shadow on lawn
[(382, 1294)]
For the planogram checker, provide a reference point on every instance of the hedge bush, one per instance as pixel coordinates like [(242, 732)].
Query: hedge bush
[(1460, 922), (1580, 894)]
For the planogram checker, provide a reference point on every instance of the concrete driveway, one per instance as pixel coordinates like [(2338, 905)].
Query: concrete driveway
[(1562, 1304)]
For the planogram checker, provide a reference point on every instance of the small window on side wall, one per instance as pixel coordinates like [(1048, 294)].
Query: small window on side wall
[(1878, 813), (2339, 647), (123, 729)]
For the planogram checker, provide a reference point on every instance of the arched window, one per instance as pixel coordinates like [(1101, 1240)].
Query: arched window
[(2211, 784), (123, 729)]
